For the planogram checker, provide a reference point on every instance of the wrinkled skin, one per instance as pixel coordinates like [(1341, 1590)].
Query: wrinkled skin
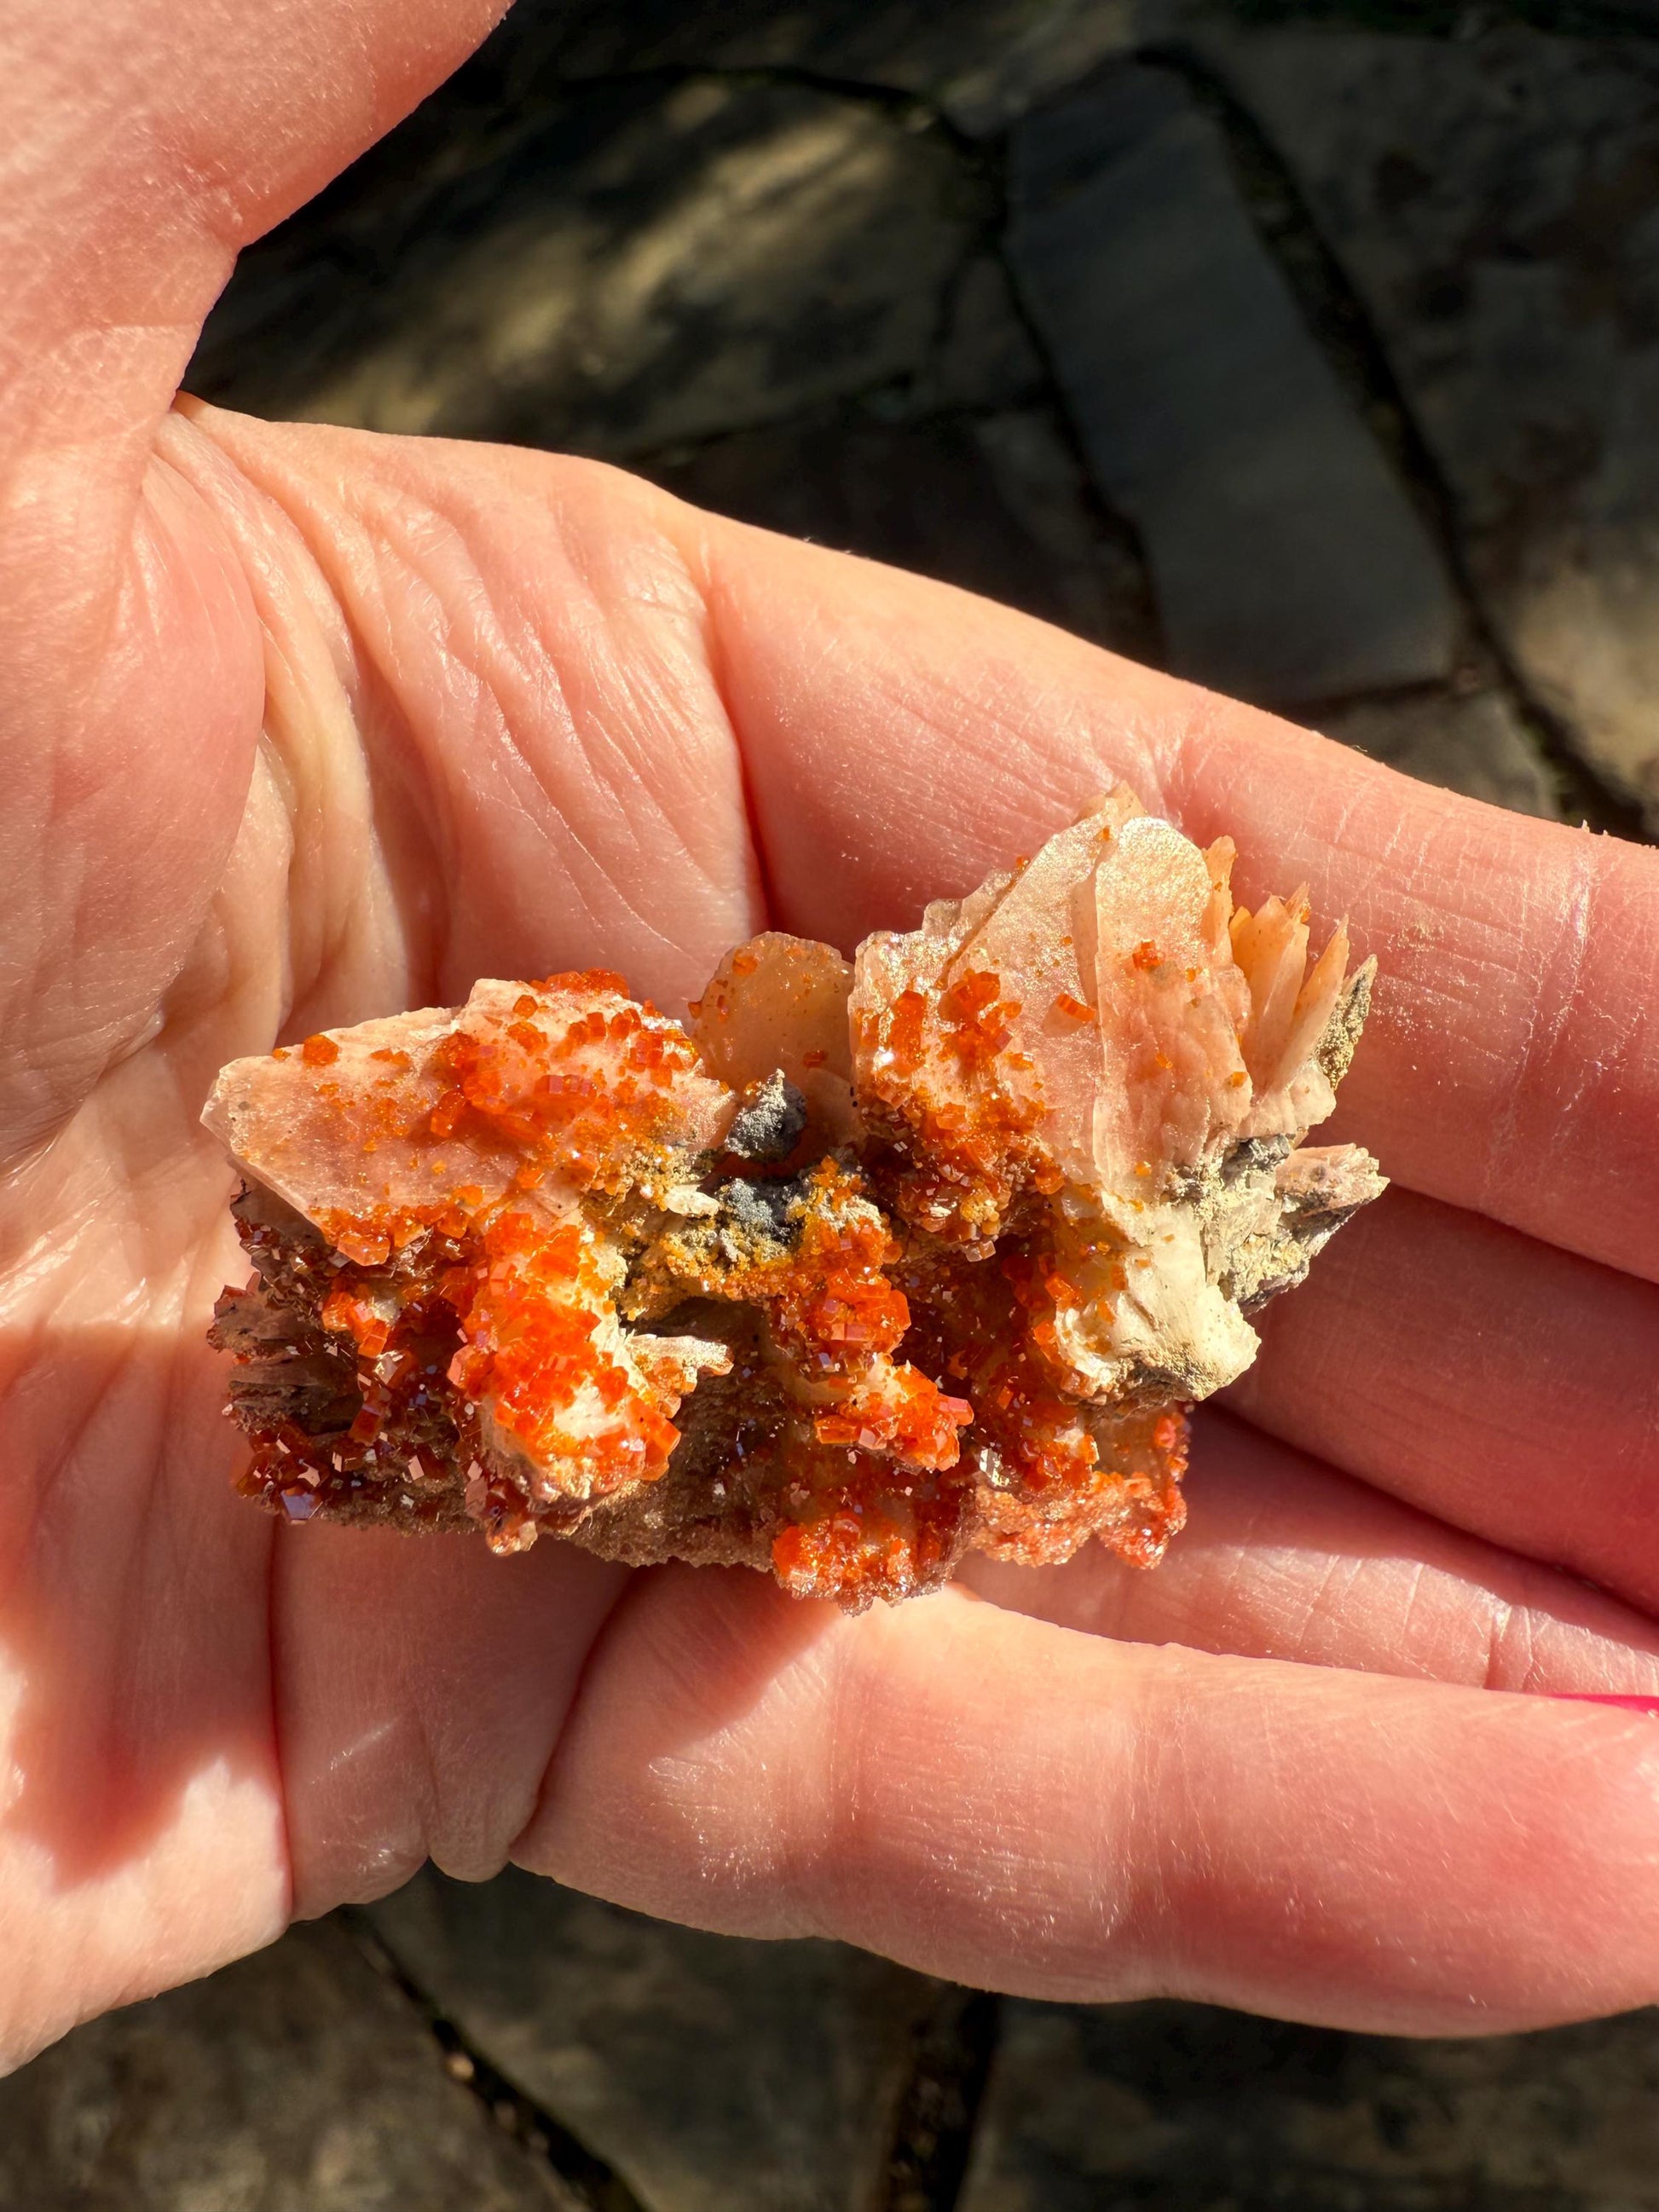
[(302, 725)]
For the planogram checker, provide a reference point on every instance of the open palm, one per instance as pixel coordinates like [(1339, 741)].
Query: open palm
[(304, 725)]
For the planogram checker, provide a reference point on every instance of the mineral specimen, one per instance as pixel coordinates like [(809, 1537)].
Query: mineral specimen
[(866, 1266)]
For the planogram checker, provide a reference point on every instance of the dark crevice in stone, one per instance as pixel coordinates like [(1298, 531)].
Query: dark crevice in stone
[(984, 166), (590, 2183), (906, 104), (1459, 19), (1340, 324), (986, 160), (939, 2109), (508, 73), (1288, 560), (520, 91), (1107, 518)]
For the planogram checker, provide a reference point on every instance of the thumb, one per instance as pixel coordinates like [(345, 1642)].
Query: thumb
[(147, 141)]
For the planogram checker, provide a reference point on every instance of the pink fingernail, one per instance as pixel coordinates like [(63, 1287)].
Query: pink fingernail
[(1595, 1698)]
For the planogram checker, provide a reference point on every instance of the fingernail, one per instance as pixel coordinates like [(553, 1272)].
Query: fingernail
[(1595, 1698)]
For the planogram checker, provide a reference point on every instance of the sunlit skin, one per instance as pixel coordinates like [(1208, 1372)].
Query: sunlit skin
[(302, 725)]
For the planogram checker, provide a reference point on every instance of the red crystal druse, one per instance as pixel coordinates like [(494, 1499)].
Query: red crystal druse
[(864, 1266)]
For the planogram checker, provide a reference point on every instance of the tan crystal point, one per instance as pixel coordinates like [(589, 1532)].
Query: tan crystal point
[(876, 1264)]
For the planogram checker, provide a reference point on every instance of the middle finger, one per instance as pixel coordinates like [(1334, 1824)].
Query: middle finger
[(1499, 1383)]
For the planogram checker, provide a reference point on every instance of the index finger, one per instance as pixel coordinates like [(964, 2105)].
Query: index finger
[(901, 739)]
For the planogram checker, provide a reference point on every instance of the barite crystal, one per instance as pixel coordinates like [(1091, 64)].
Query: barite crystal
[(864, 1267)]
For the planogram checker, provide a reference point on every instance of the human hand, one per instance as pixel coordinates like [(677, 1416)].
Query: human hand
[(306, 726)]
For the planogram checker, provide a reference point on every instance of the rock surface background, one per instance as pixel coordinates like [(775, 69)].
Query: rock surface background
[(1309, 347)]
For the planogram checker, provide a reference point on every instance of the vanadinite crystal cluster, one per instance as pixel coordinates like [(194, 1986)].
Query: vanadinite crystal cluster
[(863, 1267)]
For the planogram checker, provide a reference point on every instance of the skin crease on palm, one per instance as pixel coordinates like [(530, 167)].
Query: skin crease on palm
[(304, 725)]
